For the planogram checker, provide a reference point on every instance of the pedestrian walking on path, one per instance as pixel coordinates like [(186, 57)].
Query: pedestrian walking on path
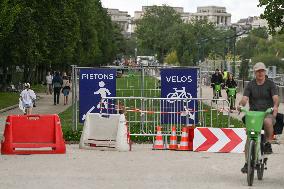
[(28, 98), (48, 79), (65, 88), (57, 83)]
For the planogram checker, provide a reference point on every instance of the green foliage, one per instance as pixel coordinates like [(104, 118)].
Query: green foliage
[(246, 46), (172, 58), (244, 72), (66, 123), (270, 60), (186, 59), (162, 31), (258, 48), (273, 13), (154, 30), (40, 35), (260, 32)]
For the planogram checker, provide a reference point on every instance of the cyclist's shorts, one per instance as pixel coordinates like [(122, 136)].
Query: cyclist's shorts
[(267, 116)]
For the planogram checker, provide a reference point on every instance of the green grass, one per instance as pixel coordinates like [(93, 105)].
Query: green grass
[(8, 99), (11, 98), (218, 119), (66, 123)]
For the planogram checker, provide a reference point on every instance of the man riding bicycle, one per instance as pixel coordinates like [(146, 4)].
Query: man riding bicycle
[(216, 79), (262, 94)]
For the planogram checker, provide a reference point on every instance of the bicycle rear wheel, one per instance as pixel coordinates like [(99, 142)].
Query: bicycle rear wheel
[(232, 102), (260, 170), (216, 96), (251, 162)]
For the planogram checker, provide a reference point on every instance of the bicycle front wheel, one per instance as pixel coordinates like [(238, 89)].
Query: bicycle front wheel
[(251, 162), (260, 167)]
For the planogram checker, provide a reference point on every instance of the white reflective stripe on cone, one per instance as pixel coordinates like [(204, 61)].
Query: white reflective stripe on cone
[(183, 143), (173, 142), (184, 134), (159, 142)]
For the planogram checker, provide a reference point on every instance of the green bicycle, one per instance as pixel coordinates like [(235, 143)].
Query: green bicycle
[(217, 89), (255, 136), (231, 97)]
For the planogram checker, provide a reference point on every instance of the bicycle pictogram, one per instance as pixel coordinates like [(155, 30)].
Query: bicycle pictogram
[(179, 93)]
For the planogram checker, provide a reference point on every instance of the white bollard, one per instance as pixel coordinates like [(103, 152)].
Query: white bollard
[(122, 144)]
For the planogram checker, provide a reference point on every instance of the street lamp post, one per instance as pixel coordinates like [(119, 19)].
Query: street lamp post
[(234, 51), (135, 56)]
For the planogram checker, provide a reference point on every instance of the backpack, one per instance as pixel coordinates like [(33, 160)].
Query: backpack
[(278, 127), (57, 85)]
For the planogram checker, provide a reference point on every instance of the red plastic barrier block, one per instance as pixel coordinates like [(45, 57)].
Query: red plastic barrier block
[(190, 137), (33, 134)]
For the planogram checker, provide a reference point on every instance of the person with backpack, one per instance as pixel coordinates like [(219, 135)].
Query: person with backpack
[(57, 83), (27, 98)]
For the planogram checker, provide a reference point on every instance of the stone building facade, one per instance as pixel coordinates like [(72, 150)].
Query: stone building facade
[(214, 14), (122, 18)]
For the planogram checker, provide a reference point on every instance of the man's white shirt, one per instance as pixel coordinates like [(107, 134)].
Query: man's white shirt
[(49, 79), (28, 96)]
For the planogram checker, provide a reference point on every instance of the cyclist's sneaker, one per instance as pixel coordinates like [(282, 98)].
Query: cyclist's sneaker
[(245, 168), (267, 148)]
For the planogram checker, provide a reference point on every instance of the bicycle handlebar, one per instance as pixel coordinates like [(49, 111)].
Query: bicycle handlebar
[(245, 110)]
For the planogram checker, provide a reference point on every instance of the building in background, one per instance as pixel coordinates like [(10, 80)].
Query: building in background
[(122, 18), (214, 14), (247, 24), (253, 22)]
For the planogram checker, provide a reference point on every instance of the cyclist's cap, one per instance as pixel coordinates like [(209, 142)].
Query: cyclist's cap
[(259, 66)]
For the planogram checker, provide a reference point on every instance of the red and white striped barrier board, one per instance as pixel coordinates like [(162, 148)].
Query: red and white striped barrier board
[(219, 139)]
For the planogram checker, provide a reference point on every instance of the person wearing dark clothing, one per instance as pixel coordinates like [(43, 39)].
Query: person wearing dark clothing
[(230, 83), (57, 83), (216, 78)]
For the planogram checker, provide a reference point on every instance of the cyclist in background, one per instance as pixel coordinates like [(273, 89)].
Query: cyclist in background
[(230, 83), (262, 94), (216, 79)]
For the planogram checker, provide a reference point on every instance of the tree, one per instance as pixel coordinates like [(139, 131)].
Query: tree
[(273, 13), (260, 32), (154, 30), (244, 71), (270, 60), (42, 35), (172, 58)]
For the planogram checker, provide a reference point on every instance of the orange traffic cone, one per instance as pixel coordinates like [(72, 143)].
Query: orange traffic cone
[(173, 139), (159, 144), (184, 140)]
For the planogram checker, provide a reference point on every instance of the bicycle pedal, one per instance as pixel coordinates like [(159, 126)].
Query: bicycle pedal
[(265, 160)]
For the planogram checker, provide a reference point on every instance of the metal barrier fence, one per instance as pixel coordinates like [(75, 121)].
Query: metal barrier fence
[(144, 114), (130, 82)]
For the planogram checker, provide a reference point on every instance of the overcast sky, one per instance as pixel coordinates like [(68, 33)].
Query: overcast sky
[(238, 8)]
